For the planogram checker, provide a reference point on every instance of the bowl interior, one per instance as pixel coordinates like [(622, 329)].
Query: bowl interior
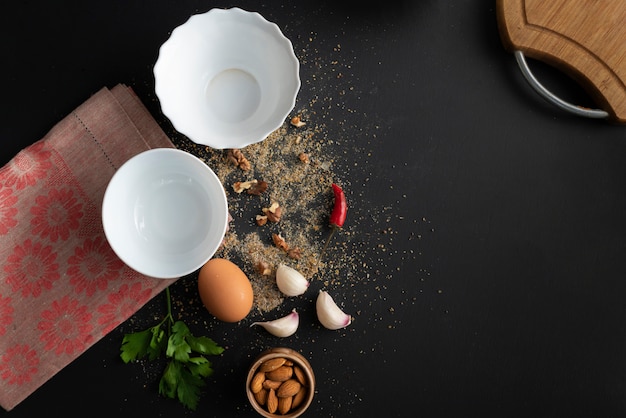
[(227, 78), (164, 213)]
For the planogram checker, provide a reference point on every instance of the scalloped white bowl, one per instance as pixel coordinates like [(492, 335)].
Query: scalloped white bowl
[(165, 213), (227, 78)]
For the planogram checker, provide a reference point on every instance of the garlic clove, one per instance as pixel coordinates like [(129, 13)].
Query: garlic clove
[(290, 281), (282, 327), (329, 314)]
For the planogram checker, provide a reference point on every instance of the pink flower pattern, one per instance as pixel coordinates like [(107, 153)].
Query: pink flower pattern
[(93, 265), (31, 268), (56, 215), (7, 210), (6, 314), (61, 285), (18, 364), (66, 327), (122, 304), (29, 166)]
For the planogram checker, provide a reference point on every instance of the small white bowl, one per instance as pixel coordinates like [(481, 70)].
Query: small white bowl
[(227, 78), (165, 213)]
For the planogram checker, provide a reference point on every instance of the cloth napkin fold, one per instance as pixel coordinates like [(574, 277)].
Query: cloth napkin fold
[(62, 288)]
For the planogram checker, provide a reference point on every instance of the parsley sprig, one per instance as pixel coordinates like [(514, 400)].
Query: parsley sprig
[(187, 366)]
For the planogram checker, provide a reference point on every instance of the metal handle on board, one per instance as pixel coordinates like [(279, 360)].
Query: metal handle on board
[(551, 97)]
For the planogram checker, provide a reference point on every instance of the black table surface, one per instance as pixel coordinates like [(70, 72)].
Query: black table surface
[(491, 223)]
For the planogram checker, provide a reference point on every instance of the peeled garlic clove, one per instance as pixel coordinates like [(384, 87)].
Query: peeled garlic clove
[(282, 327), (290, 281), (329, 314)]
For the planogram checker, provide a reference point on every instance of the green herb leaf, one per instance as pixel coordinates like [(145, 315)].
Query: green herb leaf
[(200, 366), (169, 381), (180, 382), (183, 376), (204, 345), (135, 345), (180, 329), (189, 389), (157, 342), (177, 346)]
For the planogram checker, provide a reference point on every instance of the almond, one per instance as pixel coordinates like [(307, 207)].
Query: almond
[(272, 401), (257, 382), (261, 396), (272, 364), (297, 371), (288, 388), (284, 405), (281, 374), (271, 384), (298, 397)]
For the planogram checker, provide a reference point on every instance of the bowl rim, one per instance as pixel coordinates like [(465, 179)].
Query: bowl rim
[(106, 216), (294, 356), (213, 141)]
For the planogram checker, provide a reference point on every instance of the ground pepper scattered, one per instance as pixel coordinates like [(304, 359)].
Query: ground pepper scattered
[(300, 186)]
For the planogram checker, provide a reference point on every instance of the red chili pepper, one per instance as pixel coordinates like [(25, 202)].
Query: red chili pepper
[(337, 216), (340, 210)]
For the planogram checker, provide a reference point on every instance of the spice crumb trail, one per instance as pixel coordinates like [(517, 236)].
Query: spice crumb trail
[(300, 186)]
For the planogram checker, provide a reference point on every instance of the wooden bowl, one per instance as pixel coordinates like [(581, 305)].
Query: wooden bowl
[(272, 393)]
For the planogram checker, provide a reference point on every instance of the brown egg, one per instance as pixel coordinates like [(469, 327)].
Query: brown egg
[(225, 290)]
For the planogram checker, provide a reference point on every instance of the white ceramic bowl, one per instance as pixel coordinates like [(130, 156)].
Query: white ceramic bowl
[(227, 78), (165, 213)]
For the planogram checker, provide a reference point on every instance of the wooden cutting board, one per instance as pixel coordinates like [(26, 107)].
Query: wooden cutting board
[(583, 38)]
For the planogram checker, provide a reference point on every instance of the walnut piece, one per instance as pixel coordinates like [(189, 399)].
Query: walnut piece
[(263, 268), (254, 187), (294, 253), (257, 187), (303, 158), (261, 220), (235, 156), (280, 242), (245, 165), (240, 186), (273, 213), (297, 122)]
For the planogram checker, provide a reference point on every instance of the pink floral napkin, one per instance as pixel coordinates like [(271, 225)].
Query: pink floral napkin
[(61, 286)]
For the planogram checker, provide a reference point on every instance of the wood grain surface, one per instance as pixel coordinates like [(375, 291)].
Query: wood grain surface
[(584, 38)]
